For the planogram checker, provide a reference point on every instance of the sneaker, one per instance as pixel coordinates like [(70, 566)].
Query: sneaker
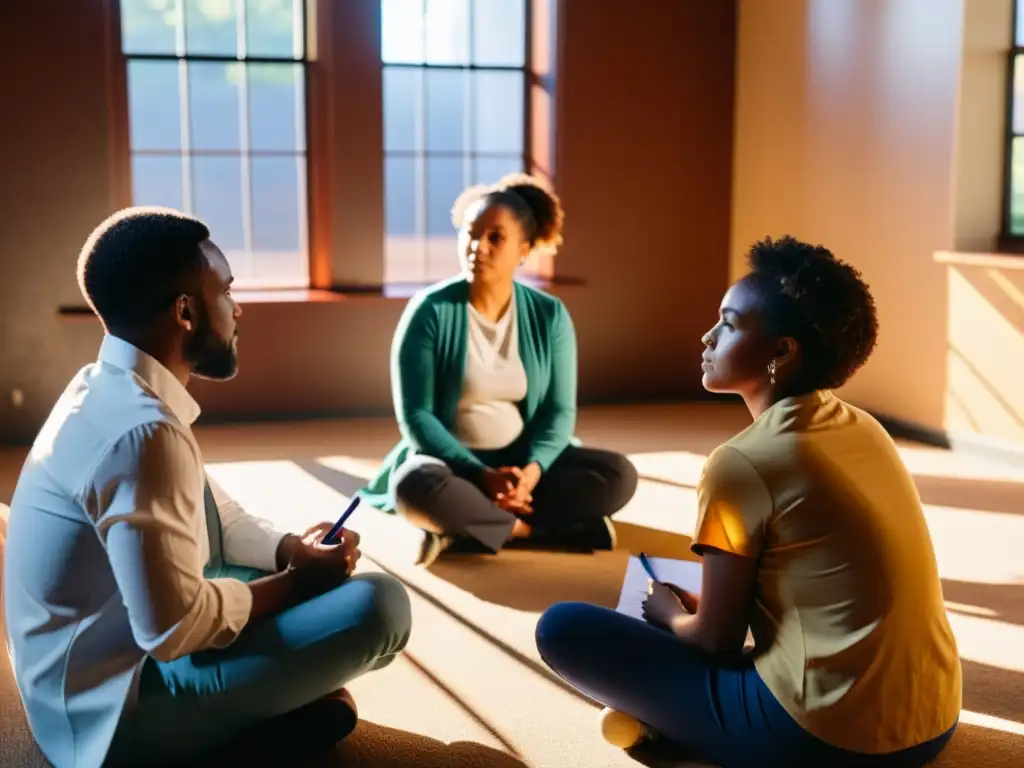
[(588, 536), (592, 535), (307, 731), (431, 547)]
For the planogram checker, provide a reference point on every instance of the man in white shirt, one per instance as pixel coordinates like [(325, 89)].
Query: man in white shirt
[(149, 618)]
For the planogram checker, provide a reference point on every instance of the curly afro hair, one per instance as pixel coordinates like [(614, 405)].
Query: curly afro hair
[(135, 263), (537, 209), (821, 302)]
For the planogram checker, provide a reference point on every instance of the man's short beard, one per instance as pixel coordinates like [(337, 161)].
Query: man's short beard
[(210, 356)]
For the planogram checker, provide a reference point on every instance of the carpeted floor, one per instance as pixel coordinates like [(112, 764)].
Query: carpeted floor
[(471, 691)]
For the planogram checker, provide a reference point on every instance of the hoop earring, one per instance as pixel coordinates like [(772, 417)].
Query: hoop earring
[(771, 372)]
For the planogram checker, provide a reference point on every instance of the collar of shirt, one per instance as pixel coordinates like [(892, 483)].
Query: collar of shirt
[(120, 354)]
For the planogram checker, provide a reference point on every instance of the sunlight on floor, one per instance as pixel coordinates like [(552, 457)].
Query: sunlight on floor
[(992, 723), (295, 496), (472, 687), (477, 615), (924, 461)]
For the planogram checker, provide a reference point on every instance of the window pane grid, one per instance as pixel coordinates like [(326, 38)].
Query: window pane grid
[(454, 74), (452, 153), (1014, 182), (240, 146), (221, 153), (1014, 193), (452, 67), (213, 57)]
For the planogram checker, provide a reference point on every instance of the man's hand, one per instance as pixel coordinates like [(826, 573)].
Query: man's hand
[(325, 566), (519, 499)]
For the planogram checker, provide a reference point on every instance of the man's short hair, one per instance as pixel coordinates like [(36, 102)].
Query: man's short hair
[(136, 262)]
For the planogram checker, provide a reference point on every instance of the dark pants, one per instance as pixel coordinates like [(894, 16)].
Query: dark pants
[(717, 711), (583, 484)]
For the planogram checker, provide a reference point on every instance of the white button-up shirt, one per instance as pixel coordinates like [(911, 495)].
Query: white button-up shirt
[(105, 552)]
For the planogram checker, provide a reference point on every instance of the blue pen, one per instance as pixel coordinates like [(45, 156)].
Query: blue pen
[(647, 567), (329, 538)]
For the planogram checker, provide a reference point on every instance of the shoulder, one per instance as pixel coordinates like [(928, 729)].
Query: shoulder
[(733, 504), (153, 448), (454, 290), (731, 478), (539, 304), (435, 303), (105, 417), (727, 465)]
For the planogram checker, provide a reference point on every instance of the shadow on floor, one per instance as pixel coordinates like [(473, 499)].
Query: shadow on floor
[(1002, 602), (970, 747), (342, 482), (973, 746), (382, 747), (992, 690), (534, 580)]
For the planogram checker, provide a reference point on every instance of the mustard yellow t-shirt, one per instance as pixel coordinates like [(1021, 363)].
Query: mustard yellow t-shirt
[(850, 629)]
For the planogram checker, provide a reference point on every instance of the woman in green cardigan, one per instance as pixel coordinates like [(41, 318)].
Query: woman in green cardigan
[(483, 376)]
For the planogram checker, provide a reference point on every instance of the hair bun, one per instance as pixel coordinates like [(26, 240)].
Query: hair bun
[(537, 196), (544, 204)]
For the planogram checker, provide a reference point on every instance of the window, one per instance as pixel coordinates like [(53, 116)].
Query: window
[(1013, 218), (217, 121), (454, 115)]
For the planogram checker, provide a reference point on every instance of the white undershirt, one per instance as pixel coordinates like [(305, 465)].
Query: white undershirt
[(488, 416)]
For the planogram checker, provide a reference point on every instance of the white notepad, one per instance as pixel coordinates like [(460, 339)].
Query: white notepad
[(635, 587)]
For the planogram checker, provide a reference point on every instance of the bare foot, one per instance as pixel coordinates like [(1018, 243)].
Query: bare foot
[(521, 530)]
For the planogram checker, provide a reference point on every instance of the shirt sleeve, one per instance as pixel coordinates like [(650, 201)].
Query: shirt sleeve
[(557, 415), (413, 373), (733, 505), (248, 540), (146, 495)]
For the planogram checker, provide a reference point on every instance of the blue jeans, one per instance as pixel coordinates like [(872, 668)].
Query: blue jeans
[(716, 710), (194, 705)]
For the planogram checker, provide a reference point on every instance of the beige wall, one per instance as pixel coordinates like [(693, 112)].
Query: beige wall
[(846, 135)]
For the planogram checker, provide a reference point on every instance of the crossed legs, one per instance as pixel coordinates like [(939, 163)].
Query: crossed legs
[(582, 486), (194, 705)]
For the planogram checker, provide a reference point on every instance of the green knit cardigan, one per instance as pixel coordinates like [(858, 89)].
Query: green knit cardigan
[(428, 363)]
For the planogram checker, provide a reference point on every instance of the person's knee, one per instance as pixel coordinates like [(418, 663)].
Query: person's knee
[(419, 488), (558, 631), (388, 611), (626, 478)]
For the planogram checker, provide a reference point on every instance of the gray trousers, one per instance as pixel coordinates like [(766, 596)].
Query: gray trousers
[(582, 485)]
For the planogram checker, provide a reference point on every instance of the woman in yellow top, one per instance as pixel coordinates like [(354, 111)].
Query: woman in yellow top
[(812, 535)]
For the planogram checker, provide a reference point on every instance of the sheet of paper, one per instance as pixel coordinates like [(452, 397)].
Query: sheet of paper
[(682, 573)]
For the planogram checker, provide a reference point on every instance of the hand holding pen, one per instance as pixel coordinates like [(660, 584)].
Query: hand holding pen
[(687, 600)]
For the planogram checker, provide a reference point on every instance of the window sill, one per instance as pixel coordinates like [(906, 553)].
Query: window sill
[(1006, 261), (388, 292)]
